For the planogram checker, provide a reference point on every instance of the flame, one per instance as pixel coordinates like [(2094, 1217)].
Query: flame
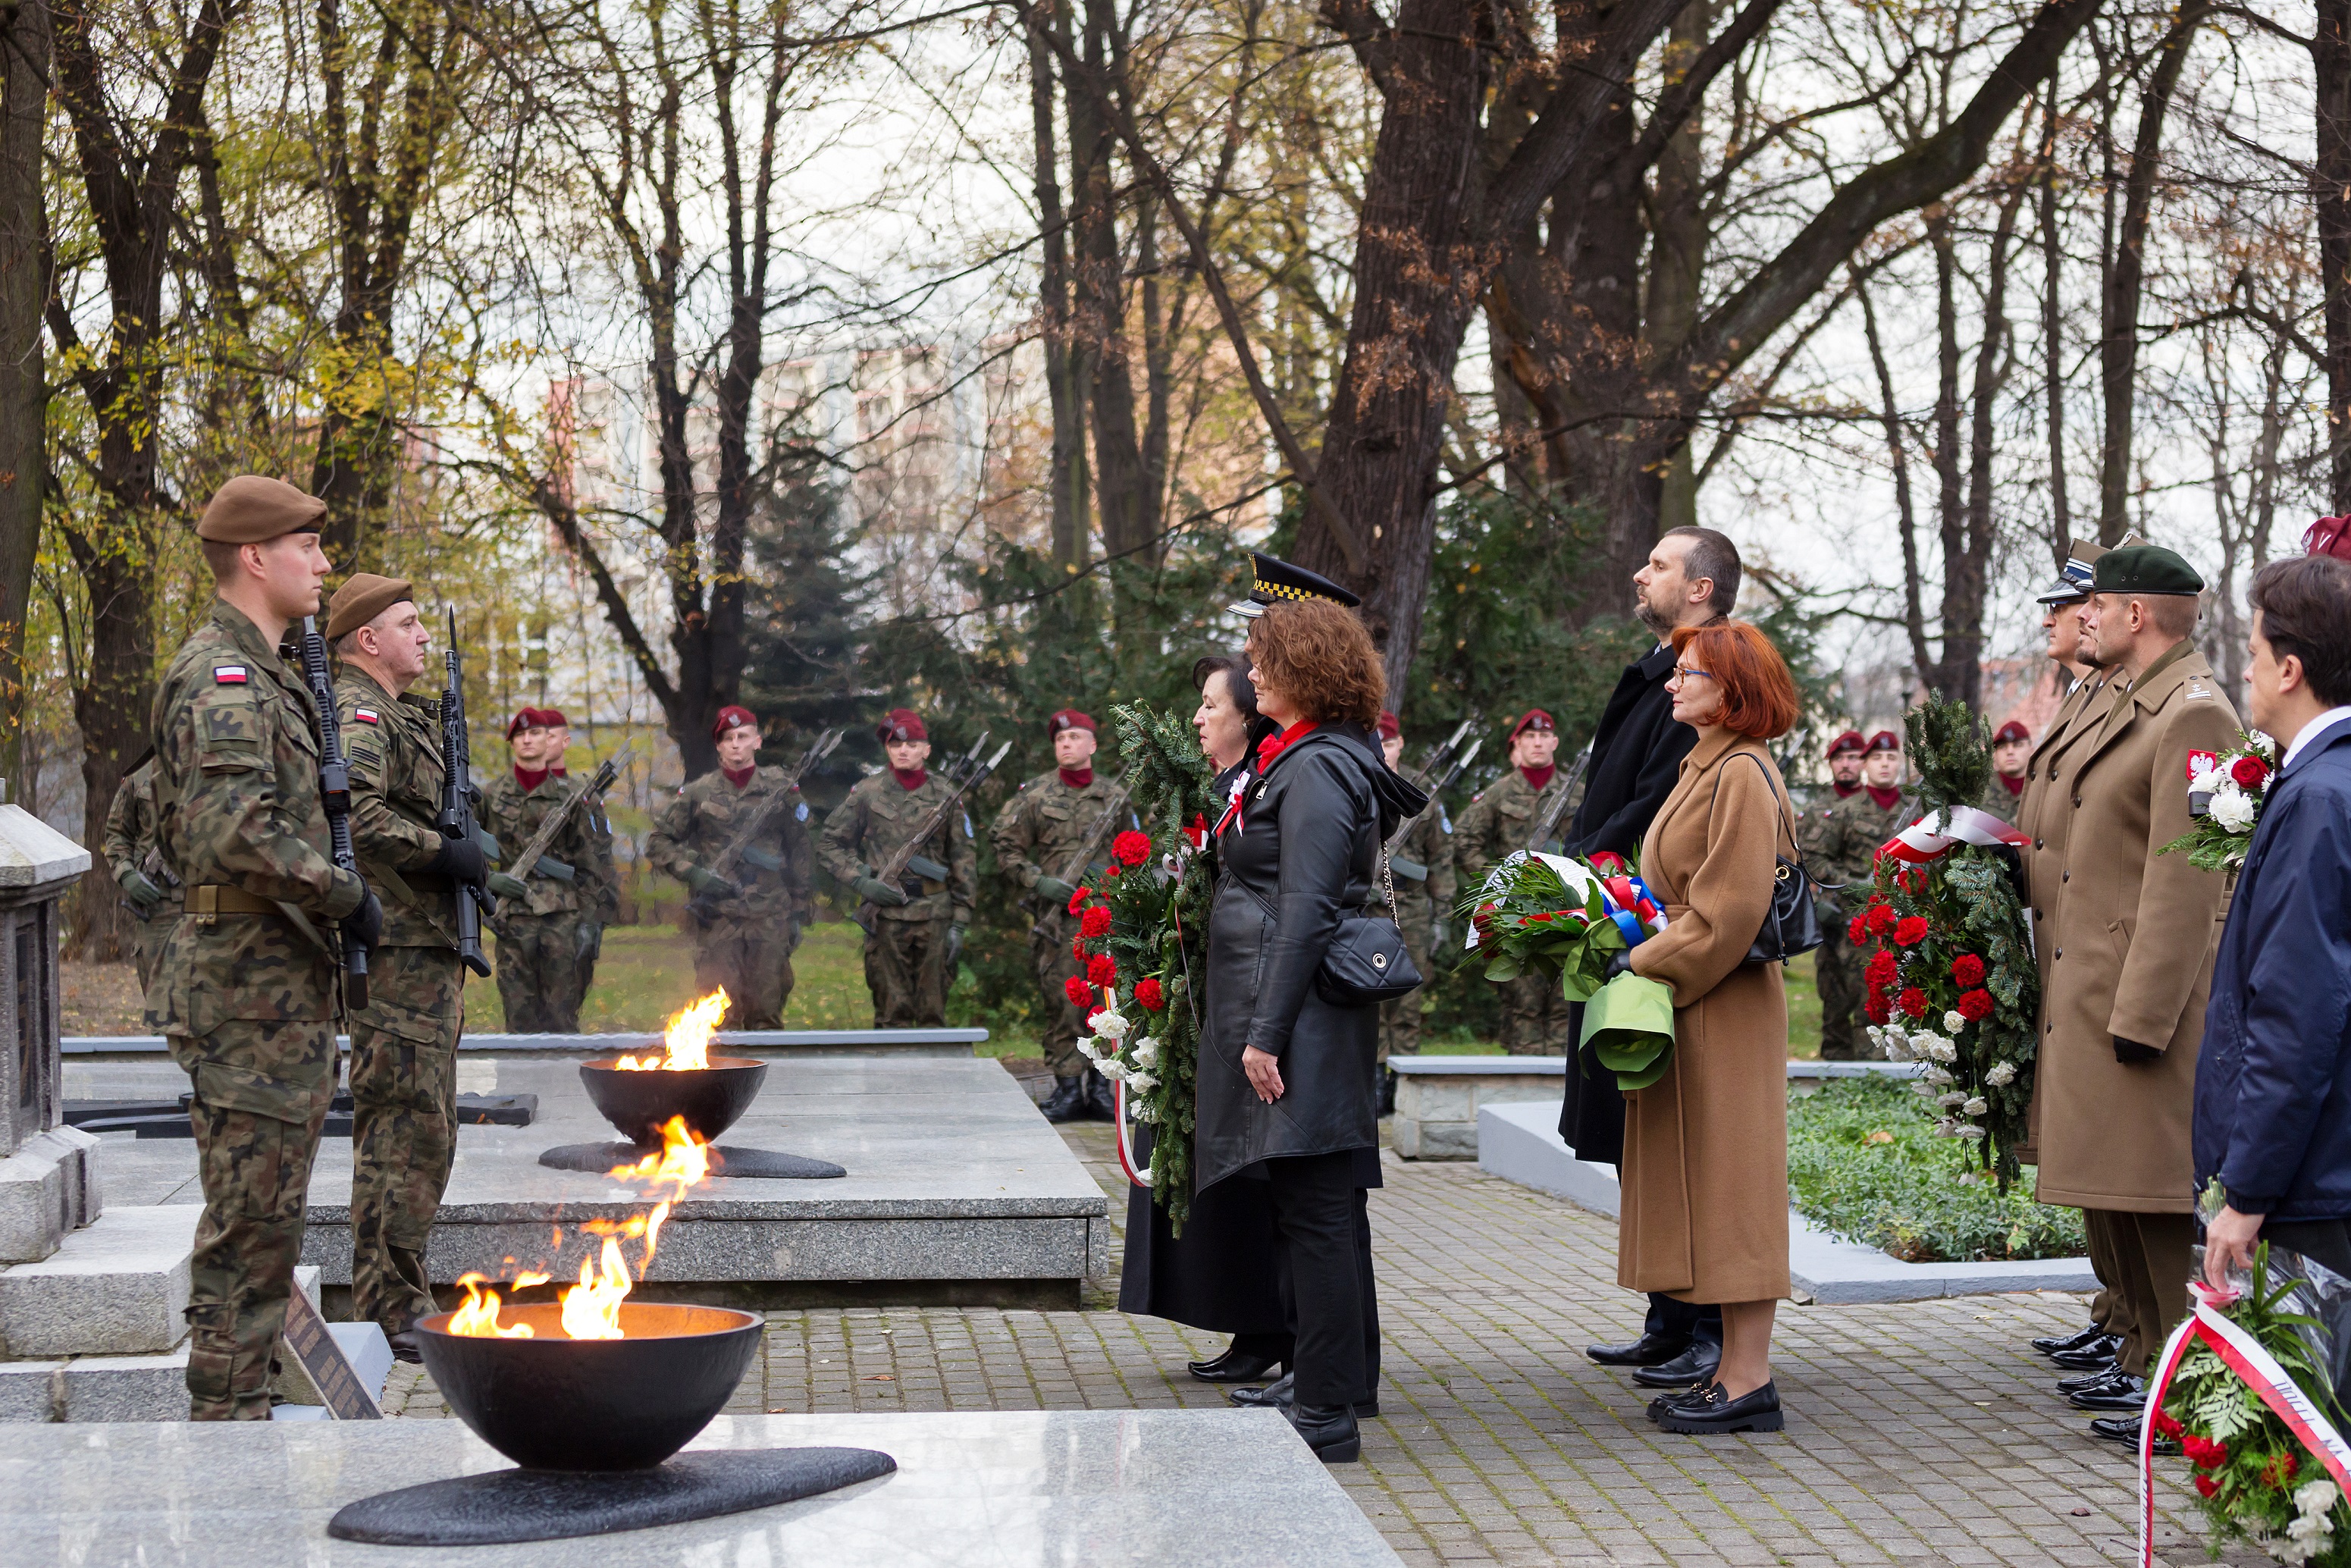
[(594, 1310), (686, 1044), (479, 1318)]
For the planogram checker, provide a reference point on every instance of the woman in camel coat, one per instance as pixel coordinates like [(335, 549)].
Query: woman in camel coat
[(1704, 1213)]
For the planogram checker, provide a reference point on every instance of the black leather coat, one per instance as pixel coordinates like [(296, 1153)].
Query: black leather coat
[(1303, 856)]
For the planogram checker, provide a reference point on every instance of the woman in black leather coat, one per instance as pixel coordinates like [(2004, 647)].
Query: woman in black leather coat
[(1288, 1089)]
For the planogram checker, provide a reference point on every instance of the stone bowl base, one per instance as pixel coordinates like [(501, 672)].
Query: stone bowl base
[(725, 1161)]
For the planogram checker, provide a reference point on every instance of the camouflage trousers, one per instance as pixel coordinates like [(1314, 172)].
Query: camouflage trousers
[(753, 959), (1837, 971), (147, 939), (1052, 958), (261, 1089), (1400, 1019), (1537, 1021), (906, 970), (541, 978), (403, 1126)]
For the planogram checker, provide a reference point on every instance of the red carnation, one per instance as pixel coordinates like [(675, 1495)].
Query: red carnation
[(1095, 921), (1078, 991), (1148, 996), (1881, 969), (1131, 848), (1878, 918), (2206, 1486), (1967, 969), (2204, 1453), (1912, 1001), (2249, 771), (2279, 1471), (1112, 871), (2166, 1426), (1857, 931), (1876, 1009), (1078, 899), (1078, 949), (1103, 969), (1911, 932), (1975, 1004), (1092, 1013)]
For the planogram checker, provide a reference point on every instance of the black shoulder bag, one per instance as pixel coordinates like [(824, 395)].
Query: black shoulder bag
[(1368, 962), (1790, 926)]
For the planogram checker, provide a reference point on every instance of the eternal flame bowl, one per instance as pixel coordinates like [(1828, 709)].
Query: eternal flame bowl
[(553, 1402), (711, 1099)]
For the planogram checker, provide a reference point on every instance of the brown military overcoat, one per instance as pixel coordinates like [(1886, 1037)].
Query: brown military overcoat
[(2130, 948), (1704, 1213)]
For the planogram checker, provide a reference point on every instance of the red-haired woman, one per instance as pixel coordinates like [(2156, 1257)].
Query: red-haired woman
[(1705, 1148)]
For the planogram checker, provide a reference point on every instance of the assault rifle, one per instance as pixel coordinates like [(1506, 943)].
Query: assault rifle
[(1546, 833), (1411, 871), (967, 774), (1429, 764), (335, 794), (1075, 870), (533, 852), (739, 849), (459, 799)]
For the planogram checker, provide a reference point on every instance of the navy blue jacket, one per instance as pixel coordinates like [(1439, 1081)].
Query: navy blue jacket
[(2274, 1075)]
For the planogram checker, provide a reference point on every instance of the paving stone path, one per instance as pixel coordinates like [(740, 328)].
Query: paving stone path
[(1925, 1432)]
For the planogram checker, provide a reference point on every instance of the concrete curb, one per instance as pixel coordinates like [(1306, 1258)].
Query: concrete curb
[(1521, 1144)]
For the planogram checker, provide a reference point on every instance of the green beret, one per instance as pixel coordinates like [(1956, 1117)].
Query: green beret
[(2144, 569), (252, 510), (362, 599)]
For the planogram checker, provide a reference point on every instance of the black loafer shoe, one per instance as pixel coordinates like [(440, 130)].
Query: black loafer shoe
[(2098, 1353), (2123, 1393), (1067, 1103), (406, 1347), (1695, 1364), (1649, 1350), (1233, 1366), (2124, 1429), (1330, 1430), (2051, 1344), (1712, 1410), (2082, 1380), (1657, 1405), (1283, 1392)]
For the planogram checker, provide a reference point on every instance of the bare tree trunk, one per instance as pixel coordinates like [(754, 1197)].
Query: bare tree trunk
[(1949, 498), (24, 295), (1126, 525), (1068, 485), (1906, 506), (2053, 332), (2330, 58)]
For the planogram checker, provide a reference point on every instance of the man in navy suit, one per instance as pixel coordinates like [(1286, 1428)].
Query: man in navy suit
[(2274, 1076)]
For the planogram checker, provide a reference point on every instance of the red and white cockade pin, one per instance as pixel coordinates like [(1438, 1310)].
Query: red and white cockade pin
[(228, 674), (366, 715)]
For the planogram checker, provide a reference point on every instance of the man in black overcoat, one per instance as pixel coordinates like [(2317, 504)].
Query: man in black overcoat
[(1692, 577)]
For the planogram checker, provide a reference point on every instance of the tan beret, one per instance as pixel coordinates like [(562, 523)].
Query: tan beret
[(362, 599), (252, 510)]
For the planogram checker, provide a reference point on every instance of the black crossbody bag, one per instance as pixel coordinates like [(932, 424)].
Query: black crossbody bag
[(1368, 962), (1792, 927)]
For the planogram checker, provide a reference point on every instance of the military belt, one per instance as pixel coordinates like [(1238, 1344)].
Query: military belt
[(218, 898)]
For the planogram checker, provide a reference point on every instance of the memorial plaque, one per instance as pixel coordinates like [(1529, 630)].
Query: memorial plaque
[(347, 1398)]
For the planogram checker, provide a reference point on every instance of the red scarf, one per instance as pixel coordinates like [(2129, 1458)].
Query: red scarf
[(1273, 746), (1539, 778), (2015, 782), (530, 779), (909, 779), (1847, 791), (1078, 778), (1887, 799), (740, 778)]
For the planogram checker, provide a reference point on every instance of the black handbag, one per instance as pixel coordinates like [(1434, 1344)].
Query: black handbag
[(1368, 962), (1792, 927)]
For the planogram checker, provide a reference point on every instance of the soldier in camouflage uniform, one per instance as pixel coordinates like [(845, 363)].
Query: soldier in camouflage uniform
[(915, 939), (132, 853), (1497, 822), (1422, 863), (550, 924), (404, 1042), (2011, 757), (747, 920), (1837, 964), (244, 987), (1844, 849), (1037, 835)]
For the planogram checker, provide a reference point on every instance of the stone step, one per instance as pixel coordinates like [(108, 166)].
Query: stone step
[(48, 1188), (152, 1387), (117, 1287)]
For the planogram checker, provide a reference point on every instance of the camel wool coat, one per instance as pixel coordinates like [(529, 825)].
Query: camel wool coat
[(2131, 941), (1705, 1172)]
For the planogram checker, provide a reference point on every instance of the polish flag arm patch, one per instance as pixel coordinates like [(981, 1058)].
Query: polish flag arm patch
[(228, 674), (366, 715), (2202, 762)]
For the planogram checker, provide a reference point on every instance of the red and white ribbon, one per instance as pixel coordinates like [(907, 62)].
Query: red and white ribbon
[(2242, 1355), (1929, 837), (1125, 1148)]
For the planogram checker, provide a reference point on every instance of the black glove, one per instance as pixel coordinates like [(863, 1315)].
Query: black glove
[(460, 859), (1055, 888), (141, 892), (364, 925), (1619, 962), (2131, 1054), (879, 892), (710, 884), (955, 947)]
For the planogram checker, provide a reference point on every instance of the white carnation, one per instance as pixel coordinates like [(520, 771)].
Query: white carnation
[(2207, 780), (1975, 1107), (1145, 1050), (1947, 1128), (1938, 1077), (1953, 1100), (1969, 1133), (1942, 1050), (1112, 1067), (1142, 1082), (1923, 1090), (1112, 1024), (2001, 1075), (1143, 1112), (2319, 1497), (2231, 809), (1091, 1046), (1954, 1022)]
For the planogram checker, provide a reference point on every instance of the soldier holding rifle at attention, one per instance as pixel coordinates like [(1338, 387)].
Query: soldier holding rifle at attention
[(150, 888), (404, 1042), (1501, 819), (747, 916), (914, 923), (1420, 857), (552, 913), (1048, 838), (244, 990)]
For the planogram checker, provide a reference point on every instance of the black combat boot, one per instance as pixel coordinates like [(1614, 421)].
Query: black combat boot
[(1067, 1103), (1101, 1102)]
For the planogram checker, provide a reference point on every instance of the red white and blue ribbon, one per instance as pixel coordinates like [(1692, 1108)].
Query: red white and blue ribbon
[(1929, 837), (1635, 909), (2242, 1355)]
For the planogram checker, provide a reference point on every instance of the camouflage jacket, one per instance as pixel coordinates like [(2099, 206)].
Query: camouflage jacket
[(881, 814), (2000, 800), (696, 828), (394, 745), (131, 840), (1499, 820), (1429, 846), (513, 816), (1812, 824), (237, 785), (1042, 826), (1845, 847)]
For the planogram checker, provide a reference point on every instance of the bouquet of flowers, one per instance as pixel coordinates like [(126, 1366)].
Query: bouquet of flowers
[(1950, 973), (2258, 1478), (1142, 934), (2225, 791), (1559, 916)]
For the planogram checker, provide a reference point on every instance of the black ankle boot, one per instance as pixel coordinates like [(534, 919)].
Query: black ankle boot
[(1235, 1365), (1067, 1103), (1329, 1430)]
